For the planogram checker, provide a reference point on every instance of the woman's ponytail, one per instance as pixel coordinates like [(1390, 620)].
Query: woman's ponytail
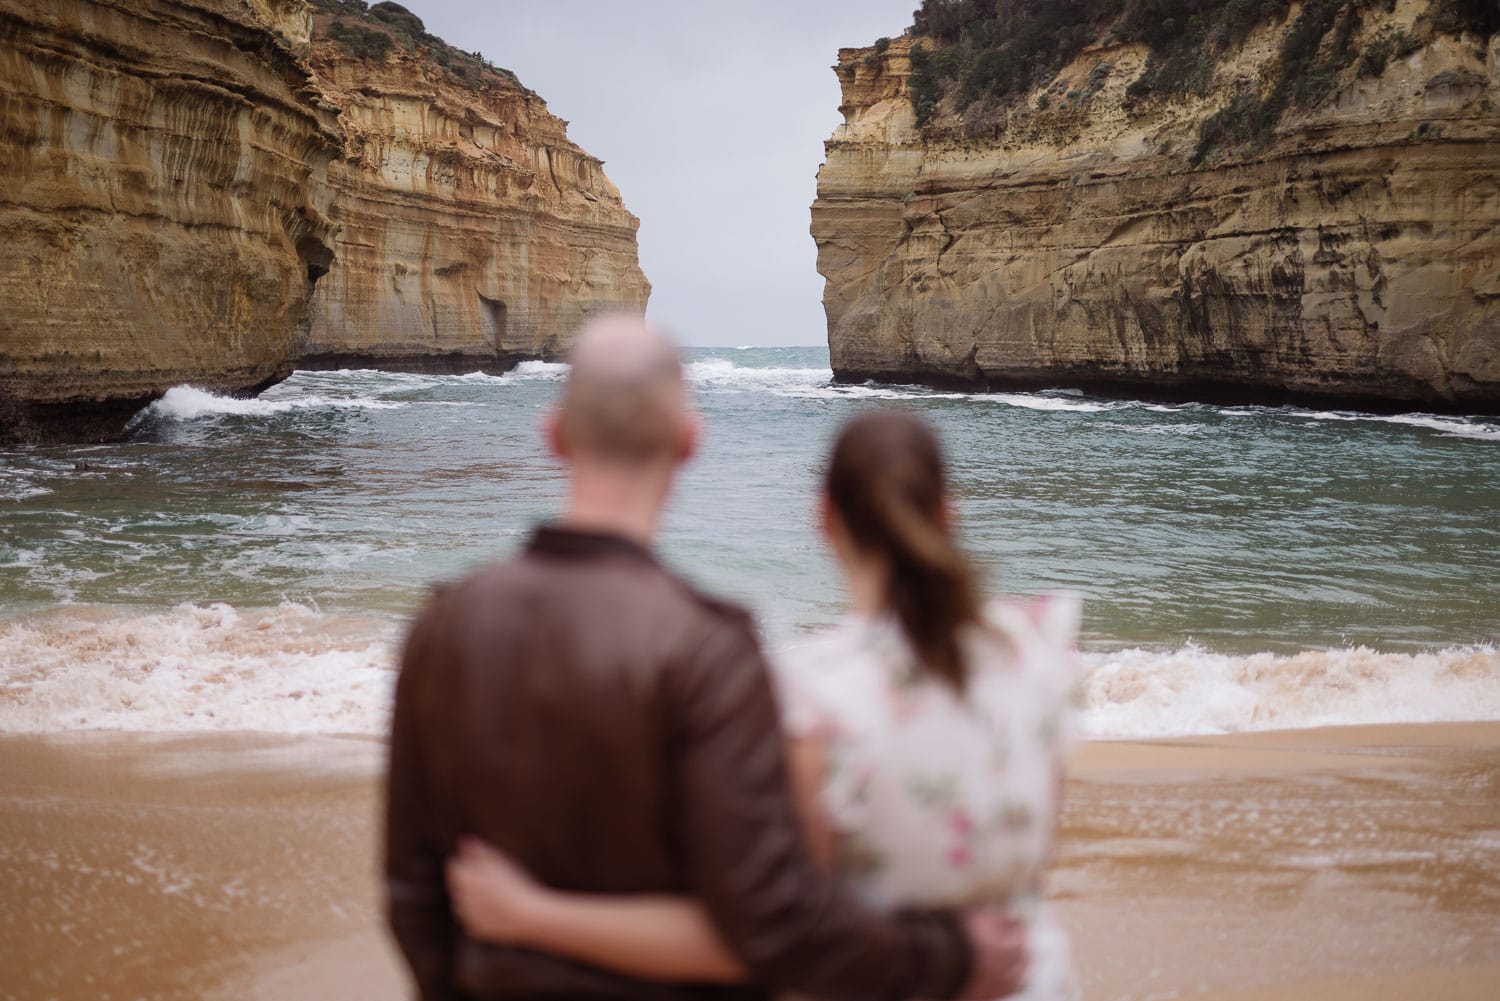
[(887, 483)]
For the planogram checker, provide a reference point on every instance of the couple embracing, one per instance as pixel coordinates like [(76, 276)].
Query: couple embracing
[(599, 788)]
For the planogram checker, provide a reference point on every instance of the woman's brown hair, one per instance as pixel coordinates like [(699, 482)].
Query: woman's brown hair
[(887, 483)]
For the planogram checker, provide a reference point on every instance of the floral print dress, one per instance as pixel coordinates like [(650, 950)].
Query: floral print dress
[(941, 798)]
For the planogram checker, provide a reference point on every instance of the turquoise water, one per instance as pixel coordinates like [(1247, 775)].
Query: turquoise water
[(1225, 532)]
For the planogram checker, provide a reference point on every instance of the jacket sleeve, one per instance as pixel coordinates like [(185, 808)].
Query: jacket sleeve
[(747, 860), (416, 898)]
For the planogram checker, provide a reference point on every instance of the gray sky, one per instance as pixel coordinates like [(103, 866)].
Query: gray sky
[(711, 119)]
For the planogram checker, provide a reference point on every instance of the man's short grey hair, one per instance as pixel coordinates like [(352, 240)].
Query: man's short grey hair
[(624, 397)]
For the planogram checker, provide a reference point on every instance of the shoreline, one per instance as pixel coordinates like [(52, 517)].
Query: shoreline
[(1340, 863), (217, 665), (1199, 389)]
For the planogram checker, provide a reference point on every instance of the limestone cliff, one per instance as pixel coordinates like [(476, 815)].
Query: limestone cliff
[(211, 192), (472, 232), (1343, 246), (161, 201)]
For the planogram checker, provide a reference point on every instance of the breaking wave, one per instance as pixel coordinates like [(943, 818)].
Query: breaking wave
[(1453, 427), (548, 370), (293, 669), (186, 403), (288, 669), (1141, 693), (374, 390)]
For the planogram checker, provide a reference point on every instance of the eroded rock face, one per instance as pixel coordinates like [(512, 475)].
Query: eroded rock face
[(206, 192), (163, 195), (1355, 258), (472, 232)]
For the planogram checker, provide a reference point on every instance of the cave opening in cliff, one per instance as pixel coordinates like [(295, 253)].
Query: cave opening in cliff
[(493, 311), (317, 256)]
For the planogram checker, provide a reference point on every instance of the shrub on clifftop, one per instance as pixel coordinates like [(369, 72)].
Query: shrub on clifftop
[(370, 32), (366, 43), (400, 18), (991, 54)]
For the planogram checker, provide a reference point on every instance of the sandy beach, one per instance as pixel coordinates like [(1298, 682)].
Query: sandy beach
[(1359, 862)]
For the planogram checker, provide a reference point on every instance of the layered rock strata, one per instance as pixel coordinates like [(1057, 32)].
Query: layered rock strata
[(471, 231), (212, 192), (1353, 258), (161, 203)]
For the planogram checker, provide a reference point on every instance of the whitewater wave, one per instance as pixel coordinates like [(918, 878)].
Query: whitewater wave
[(20, 484), (724, 373), (292, 669), (358, 381), (817, 383), (187, 403), (1453, 427), (1143, 693), (839, 391), (1055, 403), (550, 371), (288, 669), (373, 390)]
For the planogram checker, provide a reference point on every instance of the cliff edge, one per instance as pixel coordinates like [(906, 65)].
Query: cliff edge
[(1233, 200), (162, 199), (471, 231), (216, 191)]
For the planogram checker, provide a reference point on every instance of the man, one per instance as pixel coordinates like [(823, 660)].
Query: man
[(613, 730)]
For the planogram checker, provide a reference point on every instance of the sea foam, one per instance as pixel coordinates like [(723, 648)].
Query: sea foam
[(1453, 427), (724, 373), (548, 370), (186, 403), (288, 669), (369, 390), (1187, 691), (292, 669)]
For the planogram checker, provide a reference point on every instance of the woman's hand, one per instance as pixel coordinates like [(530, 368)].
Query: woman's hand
[(493, 897)]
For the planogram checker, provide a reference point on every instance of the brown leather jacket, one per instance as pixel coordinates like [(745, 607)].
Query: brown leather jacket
[(615, 731)]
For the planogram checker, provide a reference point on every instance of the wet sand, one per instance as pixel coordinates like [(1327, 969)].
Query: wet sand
[(1351, 863)]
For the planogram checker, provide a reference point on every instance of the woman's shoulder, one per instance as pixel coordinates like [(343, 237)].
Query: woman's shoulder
[(822, 651), (1033, 635), (1046, 619), (828, 675), (1037, 669)]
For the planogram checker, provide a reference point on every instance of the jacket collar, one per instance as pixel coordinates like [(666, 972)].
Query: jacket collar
[(553, 539)]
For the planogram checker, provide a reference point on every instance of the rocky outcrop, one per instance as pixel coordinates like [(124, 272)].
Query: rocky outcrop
[(471, 231), (211, 192), (161, 202), (1083, 238)]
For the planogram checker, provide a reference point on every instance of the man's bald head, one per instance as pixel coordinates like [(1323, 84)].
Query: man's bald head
[(624, 399)]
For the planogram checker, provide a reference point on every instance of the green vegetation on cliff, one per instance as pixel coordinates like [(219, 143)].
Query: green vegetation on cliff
[(993, 53), (370, 31)]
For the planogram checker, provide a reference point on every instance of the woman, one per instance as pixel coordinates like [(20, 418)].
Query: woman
[(927, 734)]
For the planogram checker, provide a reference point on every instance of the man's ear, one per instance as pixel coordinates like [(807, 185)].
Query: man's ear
[(552, 434), (688, 436), (827, 517)]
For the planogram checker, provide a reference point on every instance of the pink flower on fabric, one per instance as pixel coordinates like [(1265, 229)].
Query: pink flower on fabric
[(960, 823), (1037, 608), (905, 704), (960, 856)]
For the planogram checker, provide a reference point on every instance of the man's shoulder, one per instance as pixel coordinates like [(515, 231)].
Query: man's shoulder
[(714, 607), (647, 585), (700, 619)]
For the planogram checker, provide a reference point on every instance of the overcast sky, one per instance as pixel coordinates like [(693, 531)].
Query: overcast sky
[(710, 117)]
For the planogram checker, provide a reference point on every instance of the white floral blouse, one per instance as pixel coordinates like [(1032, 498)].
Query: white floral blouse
[(942, 799)]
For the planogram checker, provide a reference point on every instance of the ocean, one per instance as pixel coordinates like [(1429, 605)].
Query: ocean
[(248, 565)]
